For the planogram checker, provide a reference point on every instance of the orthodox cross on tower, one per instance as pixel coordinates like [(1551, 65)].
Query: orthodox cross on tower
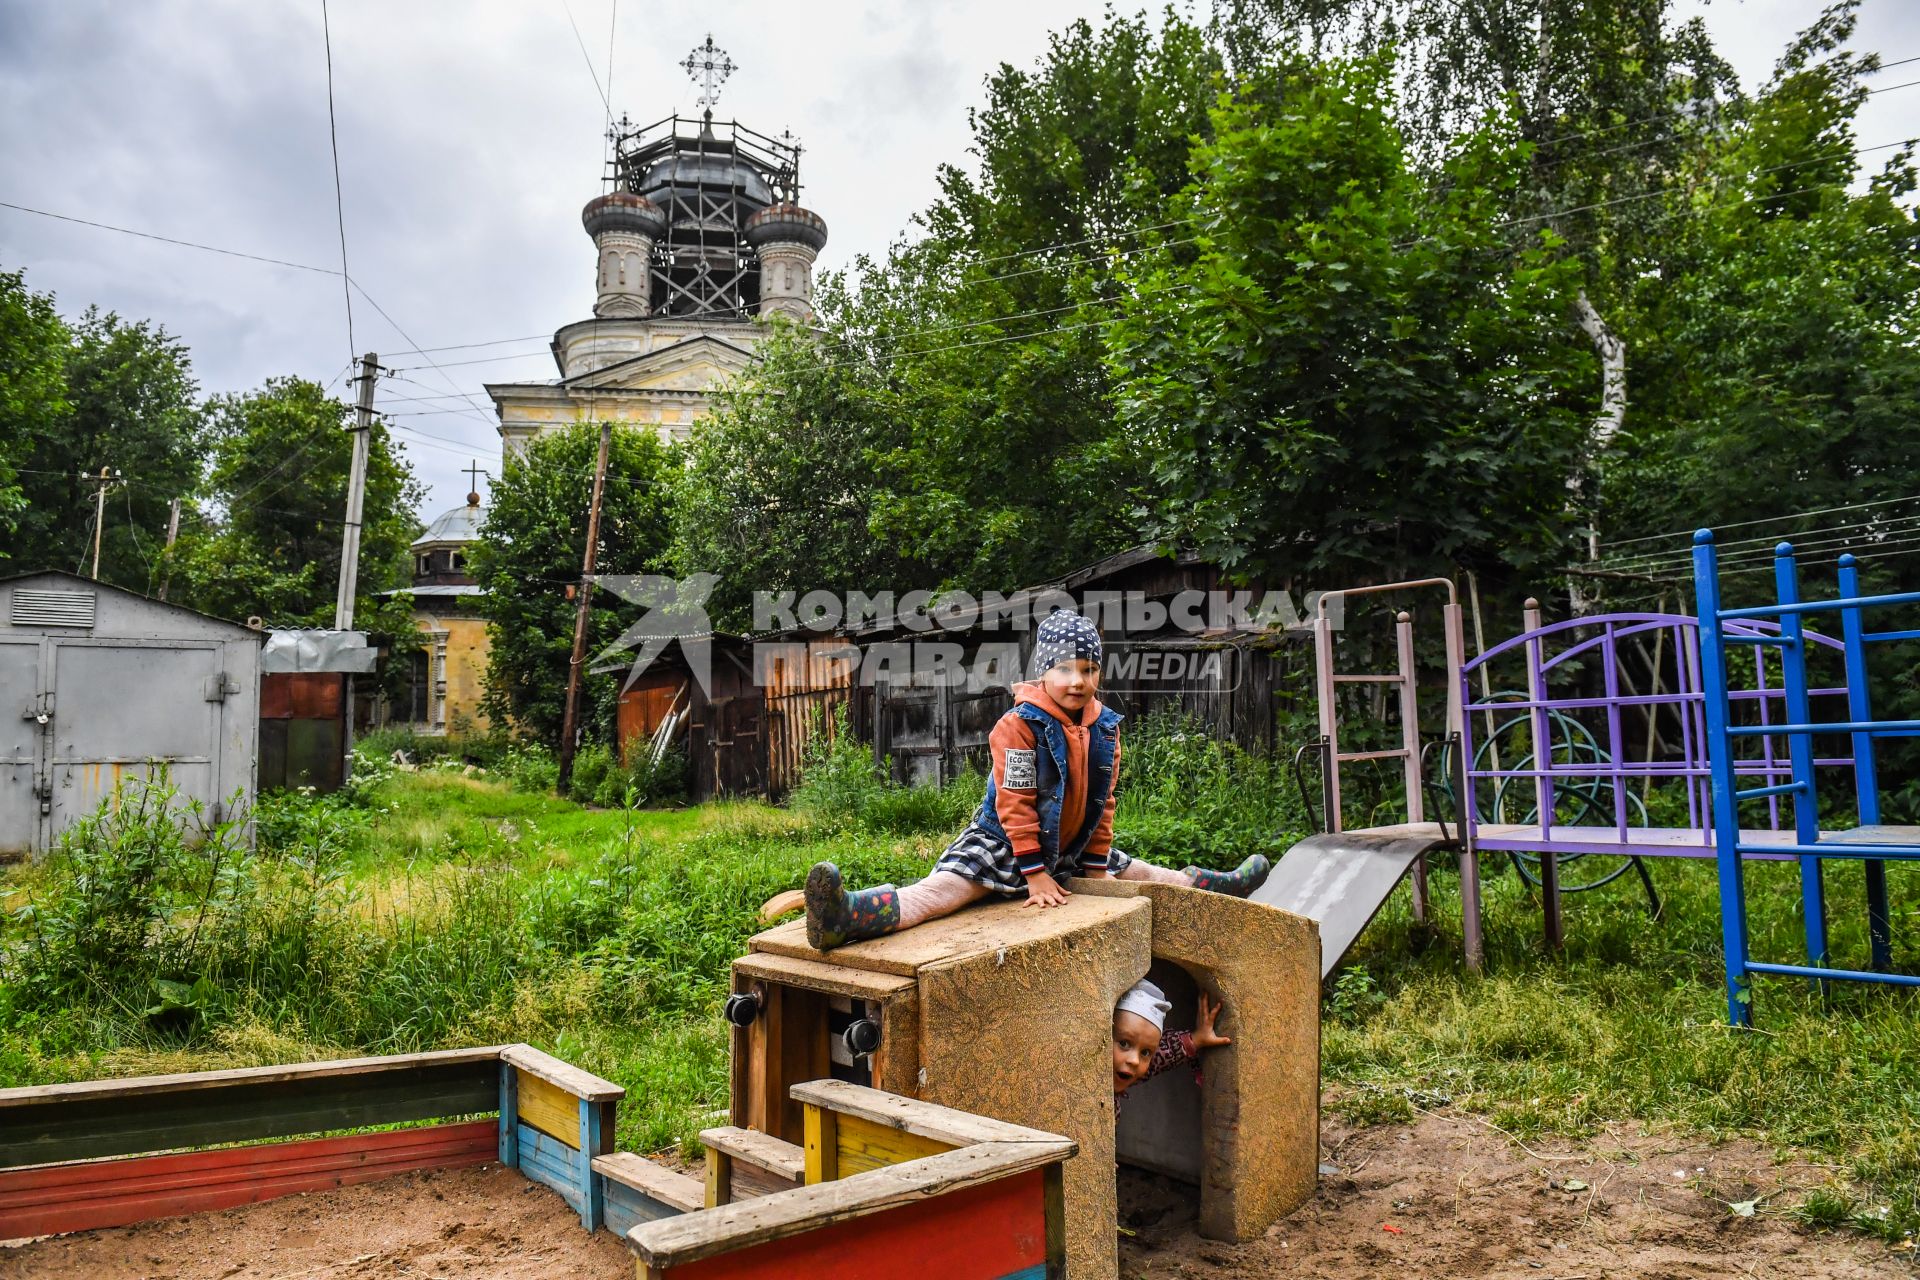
[(473, 474), (709, 66)]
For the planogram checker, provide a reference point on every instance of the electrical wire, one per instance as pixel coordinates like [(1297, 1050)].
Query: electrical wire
[(586, 57), (184, 244), (339, 199), (1745, 524), (1810, 540)]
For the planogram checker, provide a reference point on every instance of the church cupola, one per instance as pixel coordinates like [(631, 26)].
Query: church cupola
[(787, 239), (625, 227)]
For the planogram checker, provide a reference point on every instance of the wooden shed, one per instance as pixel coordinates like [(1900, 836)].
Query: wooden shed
[(1228, 679)]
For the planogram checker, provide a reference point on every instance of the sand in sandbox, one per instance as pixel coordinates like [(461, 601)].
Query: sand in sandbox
[(485, 1221), (1465, 1202)]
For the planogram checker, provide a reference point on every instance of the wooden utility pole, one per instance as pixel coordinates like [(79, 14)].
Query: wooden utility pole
[(356, 495), (570, 720), (102, 482), (173, 533)]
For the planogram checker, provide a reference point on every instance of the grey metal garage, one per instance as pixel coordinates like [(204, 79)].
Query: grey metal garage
[(98, 683)]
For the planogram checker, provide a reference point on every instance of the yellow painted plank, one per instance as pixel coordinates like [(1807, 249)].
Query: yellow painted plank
[(864, 1145), (822, 1145), (549, 1108)]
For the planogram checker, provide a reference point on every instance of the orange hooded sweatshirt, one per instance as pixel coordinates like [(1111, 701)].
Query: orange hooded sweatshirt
[(1019, 808)]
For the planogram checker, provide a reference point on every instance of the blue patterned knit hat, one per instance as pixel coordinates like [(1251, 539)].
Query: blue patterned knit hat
[(1062, 637)]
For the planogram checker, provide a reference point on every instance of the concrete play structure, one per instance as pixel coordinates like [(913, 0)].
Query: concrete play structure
[(1008, 1012)]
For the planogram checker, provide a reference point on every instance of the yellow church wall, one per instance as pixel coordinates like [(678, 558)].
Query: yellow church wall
[(463, 668)]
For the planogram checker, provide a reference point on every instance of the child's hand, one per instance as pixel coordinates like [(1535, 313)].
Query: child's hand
[(1204, 1036), (1044, 891)]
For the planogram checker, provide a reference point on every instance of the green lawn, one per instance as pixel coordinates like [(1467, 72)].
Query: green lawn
[(452, 910)]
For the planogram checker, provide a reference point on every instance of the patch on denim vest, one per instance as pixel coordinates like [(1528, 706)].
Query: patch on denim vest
[(1023, 773)]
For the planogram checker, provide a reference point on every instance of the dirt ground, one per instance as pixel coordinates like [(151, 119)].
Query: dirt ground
[(1448, 1196), (1463, 1201), (485, 1221)]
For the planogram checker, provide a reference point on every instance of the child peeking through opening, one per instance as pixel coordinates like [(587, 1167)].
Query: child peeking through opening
[(1142, 1045), (1047, 815)]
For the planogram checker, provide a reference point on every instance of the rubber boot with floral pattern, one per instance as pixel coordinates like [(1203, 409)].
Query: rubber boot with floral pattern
[(835, 916), (1239, 882)]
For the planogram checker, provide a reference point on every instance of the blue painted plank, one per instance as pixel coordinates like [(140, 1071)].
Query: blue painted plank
[(1028, 1273), (592, 1207), (509, 1116), (627, 1208), (551, 1163)]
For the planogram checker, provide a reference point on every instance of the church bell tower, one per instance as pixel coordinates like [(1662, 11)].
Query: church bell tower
[(700, 242)]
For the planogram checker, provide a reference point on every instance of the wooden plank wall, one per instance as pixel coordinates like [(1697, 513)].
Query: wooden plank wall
[(80, 1156), (60, 1123), (996, 1231), (804, 683), (49, 1199)]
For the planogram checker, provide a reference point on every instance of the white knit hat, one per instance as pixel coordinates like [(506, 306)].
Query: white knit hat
[(1148, 1001)]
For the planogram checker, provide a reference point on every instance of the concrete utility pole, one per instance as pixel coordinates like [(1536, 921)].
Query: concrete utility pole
[(350, 538), (173, 533), (356, 494), (102, 482), (571, 719)]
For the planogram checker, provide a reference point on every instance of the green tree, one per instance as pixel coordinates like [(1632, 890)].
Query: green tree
[(1779, 339), (1613, 101), (129, 404), (530, 552), (954, 420), (1350, 372), (33, 352), (268, 540), (780, 482)]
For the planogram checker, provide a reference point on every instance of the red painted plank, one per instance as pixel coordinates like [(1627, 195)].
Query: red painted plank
[(114, 1193), (981, 1233), (83, 1178)]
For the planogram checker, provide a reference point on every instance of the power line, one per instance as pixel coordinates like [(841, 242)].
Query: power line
[(1746, 524), (1811, 541), (588, 59), (468, 346), (375, 304), (185, 244), (339, 200)]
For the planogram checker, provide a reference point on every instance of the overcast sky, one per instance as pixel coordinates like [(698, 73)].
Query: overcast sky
[(470, 135)]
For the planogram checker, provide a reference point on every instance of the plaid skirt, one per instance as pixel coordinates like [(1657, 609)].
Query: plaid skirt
[(978, 855)]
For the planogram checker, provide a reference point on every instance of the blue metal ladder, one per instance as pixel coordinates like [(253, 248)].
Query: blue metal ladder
[(1870, 842)]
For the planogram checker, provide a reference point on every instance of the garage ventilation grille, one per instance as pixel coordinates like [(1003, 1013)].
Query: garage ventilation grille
[(52, 608)]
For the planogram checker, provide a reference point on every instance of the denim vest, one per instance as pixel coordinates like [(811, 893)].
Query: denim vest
[(1051, 762)]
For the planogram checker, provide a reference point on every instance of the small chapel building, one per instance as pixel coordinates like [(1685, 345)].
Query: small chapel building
[(449, 671)]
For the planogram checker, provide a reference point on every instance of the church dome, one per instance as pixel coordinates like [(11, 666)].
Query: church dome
[(787, 223), (623, 211), (685, 175), (462, 524)]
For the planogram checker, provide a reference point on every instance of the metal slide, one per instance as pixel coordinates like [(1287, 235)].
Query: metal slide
[(1340, 880)]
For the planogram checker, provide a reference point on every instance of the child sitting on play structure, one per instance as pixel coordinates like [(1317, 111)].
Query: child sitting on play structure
[(1047, 815), (1142, 1045)]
